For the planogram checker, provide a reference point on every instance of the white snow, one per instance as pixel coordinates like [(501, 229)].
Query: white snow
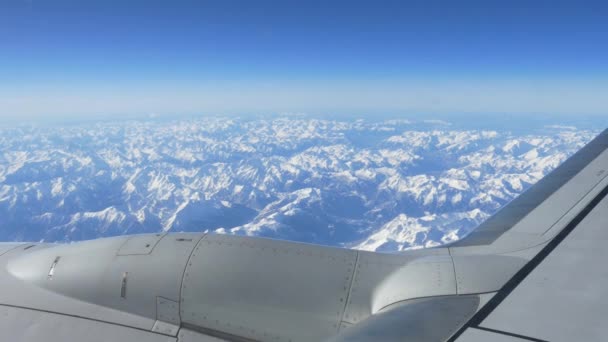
[(391, 184)]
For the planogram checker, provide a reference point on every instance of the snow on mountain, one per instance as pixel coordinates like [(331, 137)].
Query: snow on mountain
[(429, 230), (374, 185)]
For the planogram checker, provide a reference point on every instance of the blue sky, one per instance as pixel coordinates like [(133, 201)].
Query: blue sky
[(109, 58)]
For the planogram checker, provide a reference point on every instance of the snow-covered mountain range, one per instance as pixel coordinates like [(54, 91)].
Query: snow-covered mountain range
[(374, 185)]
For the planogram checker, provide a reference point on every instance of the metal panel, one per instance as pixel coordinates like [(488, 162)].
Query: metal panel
[(165, 328), (158, 274), (67, 269), (485, 273), (186, 335), (266, 290), (167, 310), (90, 280), (564, 297), (23, 325), (139, 244), (167, 317), (73, 289), (427, 319), (423, 277), (5, 247), (374, 268)]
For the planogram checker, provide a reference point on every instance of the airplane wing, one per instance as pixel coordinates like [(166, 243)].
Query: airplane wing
[(560, 293), (533, 272)]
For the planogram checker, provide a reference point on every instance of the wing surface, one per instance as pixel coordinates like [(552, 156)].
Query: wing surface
[(559, 230), (561, 295)]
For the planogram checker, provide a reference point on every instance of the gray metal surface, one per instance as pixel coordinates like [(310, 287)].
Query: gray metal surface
[(6, 247), (484, 273), (88, 281), (423, 277), (26, 325), (266, 290), (187, 335), (24, 273), (139, 244), (418, 320), (564, 298), (167, 316), (374, 269)]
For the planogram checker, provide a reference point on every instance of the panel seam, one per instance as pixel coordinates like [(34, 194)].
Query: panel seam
[(350, 289), (13, 248), (454, 268), (181, 285)]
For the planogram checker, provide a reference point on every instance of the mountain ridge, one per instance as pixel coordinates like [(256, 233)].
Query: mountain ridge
[(374, 185)]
